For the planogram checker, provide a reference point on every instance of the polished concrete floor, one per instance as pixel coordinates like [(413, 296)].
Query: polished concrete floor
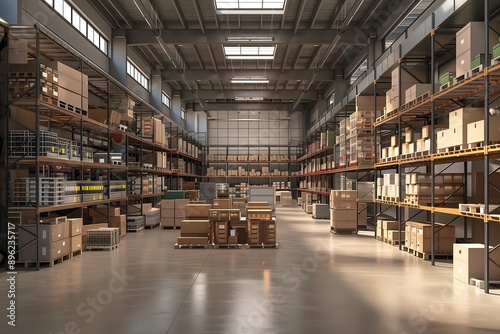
[(315, 282)]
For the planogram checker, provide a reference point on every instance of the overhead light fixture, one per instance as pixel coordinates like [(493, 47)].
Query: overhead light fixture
[(495, 111), (250, 80), (239, 7), (246, 98), (250, 39), (249, 52), (2, 21)]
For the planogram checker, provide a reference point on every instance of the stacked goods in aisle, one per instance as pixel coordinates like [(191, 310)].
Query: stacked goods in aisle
[(223, 203), (418, 236), (195, 228), (321, 211), (75, 235), (103, 238), (468, 263), (221, 221), (455, 137), (54, 240), (89, 226), (151, 214), (448, 188), (99, 215), (343, 211), (153, 129), (388, 187), (135, 223), (261, 225), (388, 231), (167, 213), (307, 203), (286, 198)]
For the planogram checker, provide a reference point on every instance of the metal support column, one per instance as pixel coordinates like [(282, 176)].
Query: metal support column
[(433, 144), (486, 156), (37, 146)]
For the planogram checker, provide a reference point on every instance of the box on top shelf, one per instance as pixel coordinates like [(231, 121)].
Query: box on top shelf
[(367, 103), (475, 131)]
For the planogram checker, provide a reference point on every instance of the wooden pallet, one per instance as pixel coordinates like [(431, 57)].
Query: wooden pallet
[(479, 283), (170, 227), (76, 253), (32, 264), (227, 246), (202, 246), (392, 242), (106, 248), (150, 227), (135, 229), (449, 150), (342, 231), (276, 245), (471, 208)]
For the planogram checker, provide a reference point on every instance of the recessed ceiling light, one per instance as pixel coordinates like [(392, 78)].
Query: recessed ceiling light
[(245, 98), (250, 39)]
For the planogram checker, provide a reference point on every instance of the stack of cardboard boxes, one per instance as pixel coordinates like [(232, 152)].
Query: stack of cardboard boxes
[(221, 223), (195, 228), (261, 225), (73, 89), (418, 236), (343, 211), (456, 136), (173, 212), (54, 238), (99, 215)]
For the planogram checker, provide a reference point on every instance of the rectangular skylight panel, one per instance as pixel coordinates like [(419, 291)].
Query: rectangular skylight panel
[(250, 6)]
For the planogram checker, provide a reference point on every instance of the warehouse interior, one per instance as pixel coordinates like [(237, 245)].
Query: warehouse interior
[(249, 166)]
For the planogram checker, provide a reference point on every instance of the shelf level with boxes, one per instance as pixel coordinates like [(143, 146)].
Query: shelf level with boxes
[(437, 157), (78, 139)]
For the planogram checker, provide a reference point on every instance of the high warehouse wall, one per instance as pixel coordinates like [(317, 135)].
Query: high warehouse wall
[(239, 128)]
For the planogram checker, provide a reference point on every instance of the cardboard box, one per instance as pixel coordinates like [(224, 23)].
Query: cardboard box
[(113, 212), (197, 210), (195, 227), (390, 224), (223, 203), (464, 116), (192, 240), (393, 235), (76, 243), (75, 226), (475, 131)]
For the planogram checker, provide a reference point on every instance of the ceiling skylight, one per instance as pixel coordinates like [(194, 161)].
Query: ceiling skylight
[(245, 98), (249, 52), (241, 7), (249, 80)]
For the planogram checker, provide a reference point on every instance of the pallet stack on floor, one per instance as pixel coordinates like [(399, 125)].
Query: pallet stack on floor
[(418, 239), (105, 238), (223, 232), (59, 239), (321, 211), (195, 228), (388, 232), (99, 215), (172, 212), (261, 225), (343, 211)]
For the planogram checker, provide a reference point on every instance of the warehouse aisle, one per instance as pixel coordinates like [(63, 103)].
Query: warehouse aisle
[(314, 283)]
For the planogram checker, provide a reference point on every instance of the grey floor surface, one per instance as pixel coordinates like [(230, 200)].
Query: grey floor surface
[(315, 282)]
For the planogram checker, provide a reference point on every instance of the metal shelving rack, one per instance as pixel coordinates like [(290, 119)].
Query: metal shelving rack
[(97, 135), (480, 88), (289, 165)]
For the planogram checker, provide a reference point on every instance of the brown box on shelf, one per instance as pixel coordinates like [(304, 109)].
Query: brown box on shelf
[(75, 226), (390, 224), (113, 212), (197, 210), (220, 203), (72, 80), (76, 243)]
